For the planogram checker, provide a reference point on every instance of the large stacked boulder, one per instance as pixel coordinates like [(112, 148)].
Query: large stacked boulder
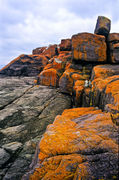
[(113, 41), (103, 26), (105, 88), (89, 47), (49, 51), (25, 65), (65, 45), (39, 50)]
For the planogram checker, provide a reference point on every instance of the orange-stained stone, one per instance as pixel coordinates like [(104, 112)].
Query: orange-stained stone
[(25, 65), (78, 89), (38, 50), (113, 41), (89, 47), (68, 78), (49, 77), (65, 45), (104, 71), (50, 51), (66, 142)]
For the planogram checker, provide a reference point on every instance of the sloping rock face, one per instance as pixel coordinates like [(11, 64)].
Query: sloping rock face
[(25, 112), (25, 65), (82, 143), (50, 51)]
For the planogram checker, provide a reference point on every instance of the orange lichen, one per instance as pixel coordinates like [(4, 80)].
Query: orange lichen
[(76, 130), (82, 44), (30, 59), (49, 77)]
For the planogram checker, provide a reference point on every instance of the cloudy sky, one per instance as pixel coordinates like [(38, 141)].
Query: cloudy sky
[(27, 24)]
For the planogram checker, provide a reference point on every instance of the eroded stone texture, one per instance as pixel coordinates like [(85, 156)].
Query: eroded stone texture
[(82, 143), (89, 47), (103, 26), (74, 81), (25, 65), (113, 41), (65, 45), (105, 88), (53, 70), (24, 117), (39, 50), (50, 51)]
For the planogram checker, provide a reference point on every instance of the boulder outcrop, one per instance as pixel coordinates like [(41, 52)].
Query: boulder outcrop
[(81, 73), (25, 65), (89, 47), (103, 26), (113, 40), (65, 45)]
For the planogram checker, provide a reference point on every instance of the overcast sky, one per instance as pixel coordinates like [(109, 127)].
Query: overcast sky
[(27, 24)]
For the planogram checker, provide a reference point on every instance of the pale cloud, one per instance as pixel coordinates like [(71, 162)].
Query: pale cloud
[(27, 24)]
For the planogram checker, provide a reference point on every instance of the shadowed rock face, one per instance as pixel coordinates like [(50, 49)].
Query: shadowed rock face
[(103, 26), (25, 65), (113, 41), (25, 112), (81, 143)]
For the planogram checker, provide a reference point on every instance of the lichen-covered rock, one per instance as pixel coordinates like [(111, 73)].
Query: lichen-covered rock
[(103, 26), (105, 87), (73, 81), (66, 81), (25, 65), (82, 143), (65, 45), (50, 51), (89, 47), (39, 50), (113, 40), (104, 71), (49, 77)]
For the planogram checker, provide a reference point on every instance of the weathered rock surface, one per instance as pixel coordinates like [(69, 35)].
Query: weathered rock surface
[(54, 69), (89, 47), (103, 26), (82, 143), (106, 88), (113, 41), (65, 45), (39, 50), (25, 65), (25, 112)]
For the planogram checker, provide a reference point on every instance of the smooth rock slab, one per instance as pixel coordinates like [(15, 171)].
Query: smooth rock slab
[(24, 119)]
